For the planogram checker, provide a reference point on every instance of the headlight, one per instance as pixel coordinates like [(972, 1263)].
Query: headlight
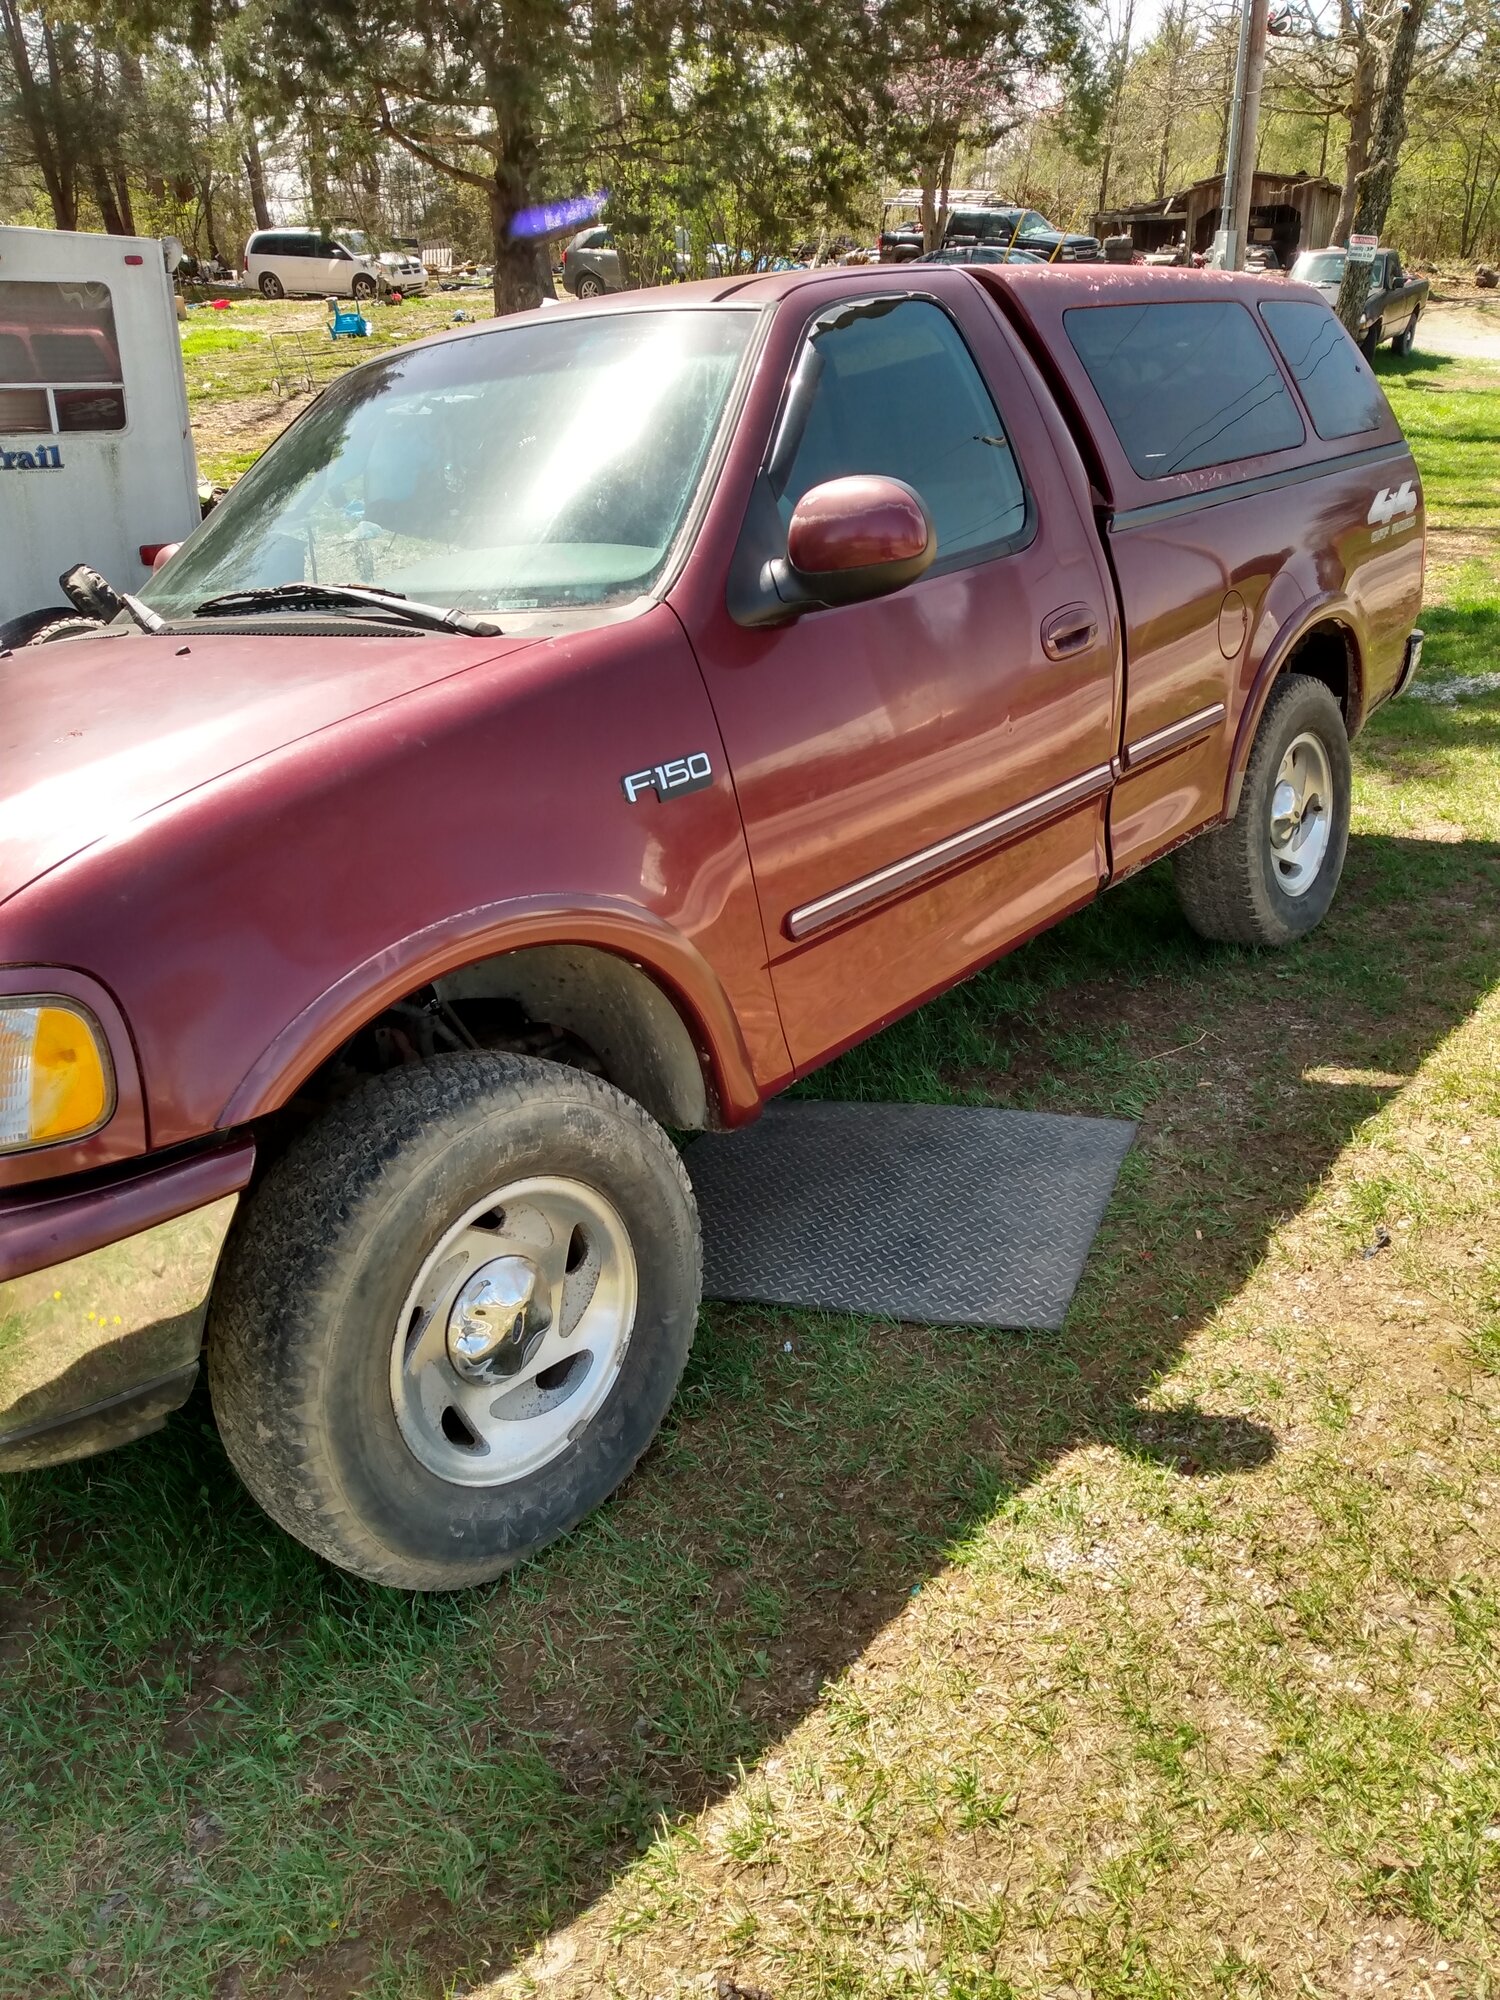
[(55, 1078)]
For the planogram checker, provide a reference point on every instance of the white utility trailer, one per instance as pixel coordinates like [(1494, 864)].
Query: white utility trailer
[(96, 457)]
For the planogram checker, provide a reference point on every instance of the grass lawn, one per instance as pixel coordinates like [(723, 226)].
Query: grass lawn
[(251, 368), (1157, 1658)]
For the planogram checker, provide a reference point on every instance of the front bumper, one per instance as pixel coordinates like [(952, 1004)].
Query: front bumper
[(101, 1345)]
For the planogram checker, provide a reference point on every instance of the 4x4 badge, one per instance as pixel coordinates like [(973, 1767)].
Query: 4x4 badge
[(671, 780), (1388, 506)]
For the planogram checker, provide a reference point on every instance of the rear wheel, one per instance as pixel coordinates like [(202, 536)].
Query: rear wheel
[(452, 1317), (590, 287), (1406, 339), (1270, 873), (271, 286), (1371, 340)]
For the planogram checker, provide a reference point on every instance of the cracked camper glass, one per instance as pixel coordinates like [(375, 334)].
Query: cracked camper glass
[(524, 468), (1185, 385), (59, 359)]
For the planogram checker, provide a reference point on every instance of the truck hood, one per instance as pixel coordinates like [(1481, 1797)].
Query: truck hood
[(94, 733)]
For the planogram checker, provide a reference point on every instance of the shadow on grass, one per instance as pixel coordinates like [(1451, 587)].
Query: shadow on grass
[(233, 1771)]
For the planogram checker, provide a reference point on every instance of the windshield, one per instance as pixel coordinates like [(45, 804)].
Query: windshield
[(355, 240), (543, 464), (1320, 267)]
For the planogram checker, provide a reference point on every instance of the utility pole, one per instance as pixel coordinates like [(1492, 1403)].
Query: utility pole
[(1244, 124)]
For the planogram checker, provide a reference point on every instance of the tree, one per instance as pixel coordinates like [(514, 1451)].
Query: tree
[(1373, 198), (496, 95)]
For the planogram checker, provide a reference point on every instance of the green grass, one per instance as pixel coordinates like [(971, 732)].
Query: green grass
[(1155, 1658)]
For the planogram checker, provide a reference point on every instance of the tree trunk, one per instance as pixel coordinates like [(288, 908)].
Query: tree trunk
[(515, 257), (1361, 123), (1375, 184), (255, 177), (1119, 65), (930, 238), (40, 134)]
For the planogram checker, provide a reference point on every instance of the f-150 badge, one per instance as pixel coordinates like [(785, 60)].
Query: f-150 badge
[(675, 778), (1390, 512)]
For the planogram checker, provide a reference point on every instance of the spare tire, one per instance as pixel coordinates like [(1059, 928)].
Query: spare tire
[(64, 625)]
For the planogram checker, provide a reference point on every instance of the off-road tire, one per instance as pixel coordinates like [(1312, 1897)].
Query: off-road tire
[(66, 625), (271, 286), (1406, 339), (1225, 880), (318, 1264), (364, 289)]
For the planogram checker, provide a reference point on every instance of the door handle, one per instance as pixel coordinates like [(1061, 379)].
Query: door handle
[(1068, 631)]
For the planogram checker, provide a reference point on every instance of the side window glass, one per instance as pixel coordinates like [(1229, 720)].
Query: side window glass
[(59, 358), (1184, 385), (898, 393), (1341, 394)]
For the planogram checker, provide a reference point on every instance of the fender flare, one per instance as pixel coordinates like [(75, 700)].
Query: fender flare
[(490, 929), (1331, 609)]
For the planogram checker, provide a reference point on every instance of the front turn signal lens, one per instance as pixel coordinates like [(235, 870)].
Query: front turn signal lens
[(55, 1080)]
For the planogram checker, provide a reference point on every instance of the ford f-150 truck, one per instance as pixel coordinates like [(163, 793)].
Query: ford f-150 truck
[(572, 731)]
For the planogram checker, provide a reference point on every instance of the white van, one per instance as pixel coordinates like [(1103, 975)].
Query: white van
[(96, 456), (320, 263)]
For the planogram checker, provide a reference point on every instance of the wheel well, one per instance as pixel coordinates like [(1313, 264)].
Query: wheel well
[(1327, 654), (574, 1004), (616, 1011)]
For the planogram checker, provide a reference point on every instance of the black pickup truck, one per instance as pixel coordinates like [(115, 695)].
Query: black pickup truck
[(1020, 228), (1394, 303)]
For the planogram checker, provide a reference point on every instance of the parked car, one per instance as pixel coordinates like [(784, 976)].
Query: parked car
[(341, 264), (1011, 228), (1394, 304), (979, 253), (591, 263), (479, 808), (90, 368)]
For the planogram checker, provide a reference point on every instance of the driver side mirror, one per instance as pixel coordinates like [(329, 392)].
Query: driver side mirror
[(849, 539), (855, 538)]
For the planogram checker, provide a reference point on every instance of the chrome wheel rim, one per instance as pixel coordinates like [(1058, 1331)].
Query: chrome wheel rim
[(1301, 818), (514, 1331)]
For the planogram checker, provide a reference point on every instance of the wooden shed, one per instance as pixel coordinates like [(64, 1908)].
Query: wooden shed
[(1288, 212)]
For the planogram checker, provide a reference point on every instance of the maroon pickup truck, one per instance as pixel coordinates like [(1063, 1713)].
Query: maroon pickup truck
[(575, 729)]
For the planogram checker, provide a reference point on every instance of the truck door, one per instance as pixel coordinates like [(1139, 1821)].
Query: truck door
[(922, 777)]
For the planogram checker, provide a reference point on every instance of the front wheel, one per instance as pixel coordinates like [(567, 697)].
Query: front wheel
[(271, 286), (452, 1317), (364, 288), (1268, 875)]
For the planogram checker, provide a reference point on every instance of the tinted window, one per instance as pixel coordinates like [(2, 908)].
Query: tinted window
[(1341, 394), (1185, 385), (60, 337), (898, 393)]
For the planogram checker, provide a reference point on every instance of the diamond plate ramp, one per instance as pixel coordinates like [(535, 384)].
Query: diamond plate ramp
[(940, 1214)]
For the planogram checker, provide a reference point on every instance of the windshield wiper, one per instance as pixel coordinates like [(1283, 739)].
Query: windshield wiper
[(330, 596)]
